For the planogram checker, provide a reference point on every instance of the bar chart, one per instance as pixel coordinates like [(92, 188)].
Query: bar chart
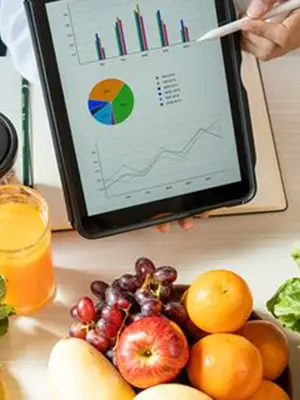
[(142, 35), (129, 28)]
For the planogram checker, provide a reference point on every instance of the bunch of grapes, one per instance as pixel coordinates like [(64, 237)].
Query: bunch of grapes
[(128, 299)]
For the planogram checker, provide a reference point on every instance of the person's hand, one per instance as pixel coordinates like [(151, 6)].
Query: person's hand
[(267, 40), (258, 8), (186, 224)]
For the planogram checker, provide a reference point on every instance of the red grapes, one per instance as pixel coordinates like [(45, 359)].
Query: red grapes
[(165, 275), (98, 289), (107, 329), (143, 295), (112, 295), (129, 283), (86, 310), (176, 312), (128, 299), (144, 267), (74, 313), (151, 307), (165, 292), (113, 314), (100, 342), (77, 330)]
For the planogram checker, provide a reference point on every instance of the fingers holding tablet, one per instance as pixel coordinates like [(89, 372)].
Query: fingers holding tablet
[(186, 224), (148, 120)]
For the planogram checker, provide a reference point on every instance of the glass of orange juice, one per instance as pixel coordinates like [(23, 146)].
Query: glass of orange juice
[(25, 248)]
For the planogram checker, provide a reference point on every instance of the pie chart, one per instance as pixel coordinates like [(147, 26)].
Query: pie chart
[(111, 102)]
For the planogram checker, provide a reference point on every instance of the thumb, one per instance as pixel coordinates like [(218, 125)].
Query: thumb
[(258, 8)]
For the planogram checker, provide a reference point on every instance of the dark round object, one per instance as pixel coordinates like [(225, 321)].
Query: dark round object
[(98, 289), (165, 275), (8, 145)]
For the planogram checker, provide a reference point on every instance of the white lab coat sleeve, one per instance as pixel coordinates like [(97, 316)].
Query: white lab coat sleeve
[(15, 34)]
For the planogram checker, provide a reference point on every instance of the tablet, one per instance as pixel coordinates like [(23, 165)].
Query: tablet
[(148, 124)]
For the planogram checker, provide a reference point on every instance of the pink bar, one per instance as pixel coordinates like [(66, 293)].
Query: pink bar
[(186, 33), (122, 36), (165, 33), (144, 33)]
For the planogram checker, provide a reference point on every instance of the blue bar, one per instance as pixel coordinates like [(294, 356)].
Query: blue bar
[(119, 39), (138, 22), (98, 46), (184, 39), (159, 20)]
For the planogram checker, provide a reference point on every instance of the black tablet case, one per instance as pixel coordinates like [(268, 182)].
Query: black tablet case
[(67, 189)]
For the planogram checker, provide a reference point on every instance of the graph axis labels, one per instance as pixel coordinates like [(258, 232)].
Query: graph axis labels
[(111, 102)]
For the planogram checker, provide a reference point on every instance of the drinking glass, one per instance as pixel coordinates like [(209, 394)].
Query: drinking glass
[(25, 248)]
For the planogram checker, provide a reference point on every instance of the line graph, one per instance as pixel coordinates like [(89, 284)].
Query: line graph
[(127, 174)]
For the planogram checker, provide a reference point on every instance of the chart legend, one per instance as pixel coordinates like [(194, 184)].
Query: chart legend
[(111, 102)]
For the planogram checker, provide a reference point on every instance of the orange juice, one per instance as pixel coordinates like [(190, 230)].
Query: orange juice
[(25, 248)]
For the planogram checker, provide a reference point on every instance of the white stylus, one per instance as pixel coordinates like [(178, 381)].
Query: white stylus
[(233, 27)]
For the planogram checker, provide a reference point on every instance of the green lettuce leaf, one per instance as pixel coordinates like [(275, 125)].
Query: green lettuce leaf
[(295, 253), (4, 326), (285, 304), (6, 311), (2, 288)]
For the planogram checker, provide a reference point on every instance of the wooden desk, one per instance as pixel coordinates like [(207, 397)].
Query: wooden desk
[(256, 246)]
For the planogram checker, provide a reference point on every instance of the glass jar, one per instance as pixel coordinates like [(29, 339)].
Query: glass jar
[(25, 248), (8, 150)]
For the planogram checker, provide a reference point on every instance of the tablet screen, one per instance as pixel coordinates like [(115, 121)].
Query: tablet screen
[(148, 106)]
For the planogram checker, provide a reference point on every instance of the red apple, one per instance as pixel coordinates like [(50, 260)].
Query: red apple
[(151, 351)]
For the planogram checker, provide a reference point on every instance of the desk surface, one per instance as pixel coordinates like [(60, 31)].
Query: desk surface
[(256, 246)]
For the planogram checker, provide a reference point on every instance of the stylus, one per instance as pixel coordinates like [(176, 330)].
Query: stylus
[(237, 25)]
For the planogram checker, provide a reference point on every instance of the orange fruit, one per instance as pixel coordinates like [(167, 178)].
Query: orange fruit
[(269, 391), (219, 302), (272, 344), (225, 366)]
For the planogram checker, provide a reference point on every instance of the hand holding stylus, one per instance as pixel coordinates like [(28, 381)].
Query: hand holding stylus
[(271, 28), (258, 8), (266, 40), (269, 40)]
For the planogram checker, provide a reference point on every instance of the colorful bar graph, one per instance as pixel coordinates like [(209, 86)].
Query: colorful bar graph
[(163, 32), (141, 29), (100, 49), (121, 37), (142, 35), (185, 35)]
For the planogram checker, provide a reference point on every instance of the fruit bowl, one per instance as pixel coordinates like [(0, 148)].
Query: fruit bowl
[(284, 381), (148, 328)]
